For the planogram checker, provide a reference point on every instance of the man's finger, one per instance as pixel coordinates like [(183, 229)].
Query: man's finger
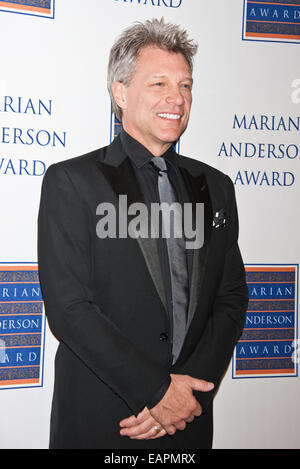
[(157, 435), (137, 429), (191, 418), (201, 385), (147, 424), (151, 434), (197, 411), (171, 430), (133, 420), (180, 425)]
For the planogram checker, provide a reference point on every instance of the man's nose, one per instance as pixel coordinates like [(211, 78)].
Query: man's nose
[(175, 96)]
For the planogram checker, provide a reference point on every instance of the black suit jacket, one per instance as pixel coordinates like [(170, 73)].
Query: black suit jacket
[(105, 302)]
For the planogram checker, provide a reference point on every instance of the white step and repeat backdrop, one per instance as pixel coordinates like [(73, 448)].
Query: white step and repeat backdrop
[(245, 121)]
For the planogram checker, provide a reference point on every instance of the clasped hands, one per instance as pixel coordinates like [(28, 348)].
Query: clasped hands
[(177, 408)]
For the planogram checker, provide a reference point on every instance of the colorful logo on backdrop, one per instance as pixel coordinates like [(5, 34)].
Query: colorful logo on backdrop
[(43, 8), (116, 127), (22, 323), (154, 3), (268, 346), (272, 20)]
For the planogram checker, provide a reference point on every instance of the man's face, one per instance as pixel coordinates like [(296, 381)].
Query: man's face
[(156, 105)]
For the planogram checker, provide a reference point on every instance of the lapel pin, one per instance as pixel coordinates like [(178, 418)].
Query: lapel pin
[(219, 220)]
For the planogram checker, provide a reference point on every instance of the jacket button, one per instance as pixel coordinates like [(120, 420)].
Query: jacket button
[(163, 337)]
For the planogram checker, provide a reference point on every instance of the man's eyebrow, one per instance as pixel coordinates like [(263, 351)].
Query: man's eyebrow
[(165, 76)]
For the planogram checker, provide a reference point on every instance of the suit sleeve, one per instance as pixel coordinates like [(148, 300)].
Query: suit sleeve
[(212, 355), (65, 270)]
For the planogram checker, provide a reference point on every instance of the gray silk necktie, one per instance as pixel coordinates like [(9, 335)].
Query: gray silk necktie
[(176, 253)]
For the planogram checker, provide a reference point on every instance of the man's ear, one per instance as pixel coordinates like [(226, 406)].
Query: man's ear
[(119, 92)]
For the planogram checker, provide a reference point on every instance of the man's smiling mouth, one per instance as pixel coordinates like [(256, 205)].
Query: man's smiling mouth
[(165, 115)]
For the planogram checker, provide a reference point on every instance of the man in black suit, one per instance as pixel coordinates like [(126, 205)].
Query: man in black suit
[(146, 324)]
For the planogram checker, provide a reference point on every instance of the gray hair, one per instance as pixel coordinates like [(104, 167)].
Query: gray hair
[(124, 53)]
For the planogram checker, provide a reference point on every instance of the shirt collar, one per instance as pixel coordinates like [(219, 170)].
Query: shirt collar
[(139, 154)]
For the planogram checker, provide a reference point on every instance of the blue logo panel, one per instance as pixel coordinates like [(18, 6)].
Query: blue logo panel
[(267, 20), (268, 344), (42, 8), (22, 325)]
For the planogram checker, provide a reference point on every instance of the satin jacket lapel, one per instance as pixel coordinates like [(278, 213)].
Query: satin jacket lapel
[(199, 193), (118, 172)]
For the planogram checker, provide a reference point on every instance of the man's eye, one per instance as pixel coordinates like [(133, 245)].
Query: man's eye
[(160, 83)]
